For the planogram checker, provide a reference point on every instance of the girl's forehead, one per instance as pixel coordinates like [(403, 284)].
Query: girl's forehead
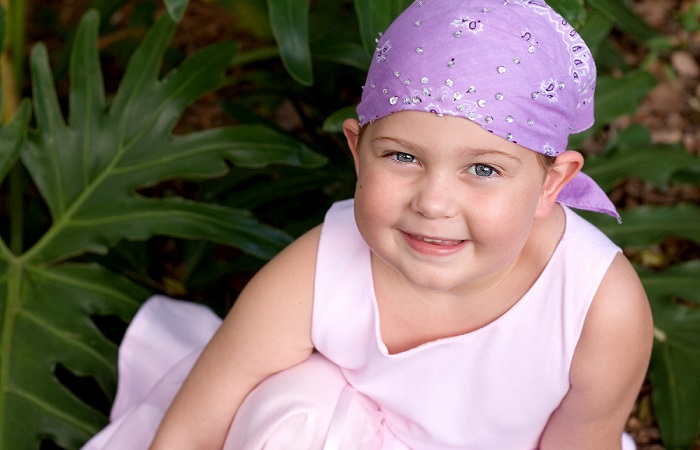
[(514, 67)]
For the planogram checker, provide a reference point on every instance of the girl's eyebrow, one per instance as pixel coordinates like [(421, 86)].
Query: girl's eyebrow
[(399, 141), (473, 152), (497, 153)]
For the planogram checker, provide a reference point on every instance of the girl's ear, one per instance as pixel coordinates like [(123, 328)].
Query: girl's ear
[(351, 129), (565, 167)]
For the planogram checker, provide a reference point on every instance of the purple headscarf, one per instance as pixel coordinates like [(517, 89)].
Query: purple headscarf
[(515, 67)]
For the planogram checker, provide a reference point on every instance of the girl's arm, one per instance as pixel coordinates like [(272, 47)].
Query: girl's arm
[(608, 366), (267, 330)]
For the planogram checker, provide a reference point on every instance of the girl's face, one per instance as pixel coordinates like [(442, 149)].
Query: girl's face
[(445, 203)]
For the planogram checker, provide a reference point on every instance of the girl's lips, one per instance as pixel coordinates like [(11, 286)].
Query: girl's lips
[(434, 246)]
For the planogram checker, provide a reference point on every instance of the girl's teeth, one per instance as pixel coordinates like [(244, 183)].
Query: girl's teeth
[(439, 241)]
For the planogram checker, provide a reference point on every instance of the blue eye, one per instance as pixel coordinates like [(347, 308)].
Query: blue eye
[(482, 170), (404, 157)]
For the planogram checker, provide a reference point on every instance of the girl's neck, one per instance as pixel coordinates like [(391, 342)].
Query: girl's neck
[(410, 316)]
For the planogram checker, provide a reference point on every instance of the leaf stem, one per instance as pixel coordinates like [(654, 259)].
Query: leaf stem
[(16, 37), (16, 188), (12, 73), (13, 280)]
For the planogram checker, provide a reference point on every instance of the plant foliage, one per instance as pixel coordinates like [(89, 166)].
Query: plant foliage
[(88, 171)]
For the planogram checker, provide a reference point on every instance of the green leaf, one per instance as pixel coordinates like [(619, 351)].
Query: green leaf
[(131, 146), (176, 9), (51, 325), (253, 17), (647, 225), (12, 137), (290, 25), (675, 363), (89, 171), (615, 96), (620, 96), (631, 154), (374, 17), (334, 122), (624, 18), (572, 10), (347, 53), (595, 30), (2, 47)]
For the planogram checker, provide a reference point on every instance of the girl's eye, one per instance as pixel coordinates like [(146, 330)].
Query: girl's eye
[(482, 170), (404, 157)]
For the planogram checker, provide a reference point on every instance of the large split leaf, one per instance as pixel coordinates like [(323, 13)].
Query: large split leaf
[(49, 325), (89, 170)]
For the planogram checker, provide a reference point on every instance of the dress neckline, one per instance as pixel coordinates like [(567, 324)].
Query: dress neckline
[(526, 300)]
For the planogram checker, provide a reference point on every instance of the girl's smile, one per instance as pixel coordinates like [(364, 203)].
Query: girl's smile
[(431, 246), (443, 202)]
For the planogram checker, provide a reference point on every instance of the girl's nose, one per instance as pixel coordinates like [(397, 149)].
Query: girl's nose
[(434, 197)]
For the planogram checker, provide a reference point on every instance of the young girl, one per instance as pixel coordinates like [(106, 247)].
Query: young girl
[(456, 303)]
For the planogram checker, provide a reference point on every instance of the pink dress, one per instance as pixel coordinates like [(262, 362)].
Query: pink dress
[(492, 388)]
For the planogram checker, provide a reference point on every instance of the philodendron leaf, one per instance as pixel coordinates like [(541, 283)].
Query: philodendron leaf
[(631, 154), (89, 170), (50, 325), (12, 137), (675, 366)]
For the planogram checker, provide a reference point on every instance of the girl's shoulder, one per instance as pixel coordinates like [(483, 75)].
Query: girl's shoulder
[(296, 262), (612, 355)]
